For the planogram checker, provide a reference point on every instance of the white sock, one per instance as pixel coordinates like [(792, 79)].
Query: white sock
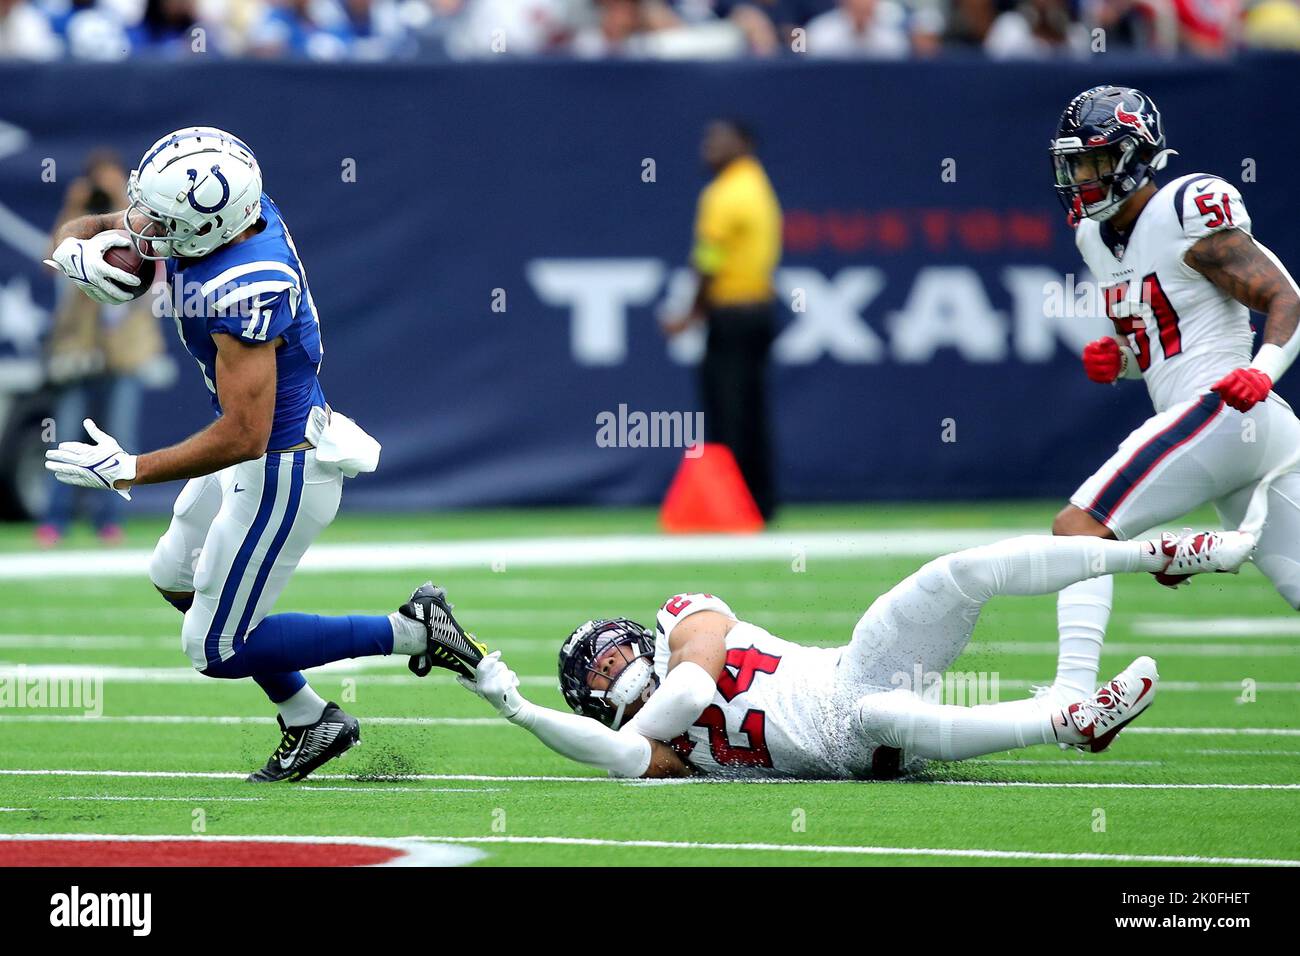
[(1082, 613), (946, 732), (302, 709), (409, 636), (1040, 564)]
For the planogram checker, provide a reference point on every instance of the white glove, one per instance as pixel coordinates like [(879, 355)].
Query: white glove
[(497, 684), (82, 261), (92, 466)]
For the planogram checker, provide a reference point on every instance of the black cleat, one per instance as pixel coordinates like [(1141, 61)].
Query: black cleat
[(303, 749), (449, 645)]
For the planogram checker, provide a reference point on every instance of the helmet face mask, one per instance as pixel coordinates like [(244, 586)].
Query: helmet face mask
[(591, 686), (1089, 178), (196, 189), (1108, 143)]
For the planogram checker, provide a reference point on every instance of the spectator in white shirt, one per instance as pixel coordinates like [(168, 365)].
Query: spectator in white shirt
[(25, 33), (860, 28)]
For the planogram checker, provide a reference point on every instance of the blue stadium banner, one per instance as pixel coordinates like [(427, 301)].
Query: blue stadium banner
[(489, 261)]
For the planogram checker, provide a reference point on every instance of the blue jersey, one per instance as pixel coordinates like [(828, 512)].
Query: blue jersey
[(256, 291)]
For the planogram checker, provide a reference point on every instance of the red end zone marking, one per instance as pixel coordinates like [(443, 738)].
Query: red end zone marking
[(92, 852)]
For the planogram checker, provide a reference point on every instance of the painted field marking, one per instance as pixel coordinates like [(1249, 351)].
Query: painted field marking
[(1278, 626), (237, 720), (867, 850), (1218, 731), (565, 551), (1180, 686), (1225, 752), (88, 642), (311, 789), (687, 781), (415, 852), (1118, 786), (151, 719), (113, 673), (1080, 762), (167, 799), (1155, 650)]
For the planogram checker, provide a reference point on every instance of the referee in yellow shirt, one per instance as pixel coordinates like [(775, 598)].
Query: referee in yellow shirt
[(737, 248)]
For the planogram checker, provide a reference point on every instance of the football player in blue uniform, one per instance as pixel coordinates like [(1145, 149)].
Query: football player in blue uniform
[(265, 478)]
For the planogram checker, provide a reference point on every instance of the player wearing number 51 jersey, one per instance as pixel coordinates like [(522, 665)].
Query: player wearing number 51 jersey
[(706, 692), (1179, 273)]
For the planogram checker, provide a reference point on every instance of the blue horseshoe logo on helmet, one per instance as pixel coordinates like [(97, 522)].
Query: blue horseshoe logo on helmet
[(194, 184)]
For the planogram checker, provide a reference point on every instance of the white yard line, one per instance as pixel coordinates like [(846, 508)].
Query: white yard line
[(311, 789), (235, 720), (689, 781), (866, 850), (1280, 625), (566, 551), (1118, 786), (153, 719), (1177, 686), (369, 671), (1081, 762), (1157, 651), (1227, 752), (168, 799), (105, 642), (364, 670), (1218, 731)]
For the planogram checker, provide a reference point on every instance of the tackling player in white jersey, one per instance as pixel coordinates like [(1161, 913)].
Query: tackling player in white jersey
[(1179, 273), (709, 693)]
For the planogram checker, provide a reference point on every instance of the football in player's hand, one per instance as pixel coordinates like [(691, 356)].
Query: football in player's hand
[(128, 259)]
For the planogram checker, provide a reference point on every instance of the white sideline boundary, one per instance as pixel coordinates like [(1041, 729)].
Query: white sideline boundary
[(558, 551), (866, 850), (442, 851), (425, 850), (679, 782)]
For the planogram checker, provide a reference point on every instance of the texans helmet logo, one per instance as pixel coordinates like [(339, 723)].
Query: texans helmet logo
[(1136, 121)]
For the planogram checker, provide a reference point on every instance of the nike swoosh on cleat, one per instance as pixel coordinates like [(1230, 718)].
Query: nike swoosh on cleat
[(1146, 686), (239, 489), (287, 762)]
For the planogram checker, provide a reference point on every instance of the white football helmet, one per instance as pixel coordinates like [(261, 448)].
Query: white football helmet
[(199, 187)]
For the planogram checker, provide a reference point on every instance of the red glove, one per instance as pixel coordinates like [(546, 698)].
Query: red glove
[(1102, 361), (1243, 388)]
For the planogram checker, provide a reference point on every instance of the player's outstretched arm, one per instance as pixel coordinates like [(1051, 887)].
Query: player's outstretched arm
[(1235, 263), (623, 753), (245, 378)]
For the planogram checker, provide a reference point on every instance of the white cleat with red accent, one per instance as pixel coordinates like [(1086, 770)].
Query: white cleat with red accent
[(1199, 552), (1092, 723)]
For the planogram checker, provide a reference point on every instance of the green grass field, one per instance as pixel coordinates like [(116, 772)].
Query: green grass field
[(1205, 774)]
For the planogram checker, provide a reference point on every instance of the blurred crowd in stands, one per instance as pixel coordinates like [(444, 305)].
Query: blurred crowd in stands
[(368, 30)]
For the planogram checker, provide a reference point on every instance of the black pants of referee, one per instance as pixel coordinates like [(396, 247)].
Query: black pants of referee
[(733, 391)]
